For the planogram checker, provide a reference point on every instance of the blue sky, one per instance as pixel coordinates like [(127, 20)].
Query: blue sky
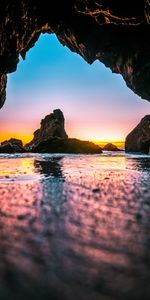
[(96, 103)]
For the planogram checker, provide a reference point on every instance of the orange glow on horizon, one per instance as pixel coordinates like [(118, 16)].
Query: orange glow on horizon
[(25, 138), (119, 144), (98, 133)]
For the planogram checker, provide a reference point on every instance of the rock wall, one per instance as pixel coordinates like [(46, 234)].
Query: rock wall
[(138, 140), (114, 32)]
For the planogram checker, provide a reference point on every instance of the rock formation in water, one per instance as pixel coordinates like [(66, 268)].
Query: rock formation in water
[(12, 146), (138, 139), (52, 138), (51, 126), (114, 32), (110, 147), (67, 145)]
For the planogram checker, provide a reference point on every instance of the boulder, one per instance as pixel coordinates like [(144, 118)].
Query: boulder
[(12, 146), (110, 147), (13, 141), (138, 139), (7, 148), (67, 145), (51, 126)]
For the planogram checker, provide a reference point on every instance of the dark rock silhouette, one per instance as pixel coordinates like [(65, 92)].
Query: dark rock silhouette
[(110, 147), (68, 145), (13, 141), (12, 146), (7, 148), (113, 32), (138, 139), (52, 138), (51, 126)]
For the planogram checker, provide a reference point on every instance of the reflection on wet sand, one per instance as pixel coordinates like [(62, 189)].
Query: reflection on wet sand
[(18, 169), (49, 167), (137, 163), (79, 229)]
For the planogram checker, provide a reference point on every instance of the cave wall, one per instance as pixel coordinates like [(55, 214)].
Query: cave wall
[(114, 32)]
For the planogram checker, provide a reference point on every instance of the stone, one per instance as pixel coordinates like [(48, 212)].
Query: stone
[(51, 126), (96, 190), (110, 147), (7, 148), (12, 146), (13, 141), (67, 145), (138, 140), (114, 32)]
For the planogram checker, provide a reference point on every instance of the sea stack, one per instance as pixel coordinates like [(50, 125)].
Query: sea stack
[(138, 139), (110, 147), (51, 126), (52, 138)]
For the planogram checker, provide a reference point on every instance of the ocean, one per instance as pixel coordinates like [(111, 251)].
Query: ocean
[(75, 226)]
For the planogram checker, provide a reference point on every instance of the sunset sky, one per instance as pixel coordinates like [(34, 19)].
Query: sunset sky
[(96, 104)]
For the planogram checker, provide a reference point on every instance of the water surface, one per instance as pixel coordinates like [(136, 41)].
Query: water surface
[(75, 226)]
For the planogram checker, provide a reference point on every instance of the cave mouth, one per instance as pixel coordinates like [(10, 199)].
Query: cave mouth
[(113, 32), (96, 104)]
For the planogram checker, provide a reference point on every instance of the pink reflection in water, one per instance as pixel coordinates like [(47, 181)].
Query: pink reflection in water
[(17, 169), (79, 226)]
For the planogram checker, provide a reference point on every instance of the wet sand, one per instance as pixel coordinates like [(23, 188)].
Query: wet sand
[(75, 227)]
